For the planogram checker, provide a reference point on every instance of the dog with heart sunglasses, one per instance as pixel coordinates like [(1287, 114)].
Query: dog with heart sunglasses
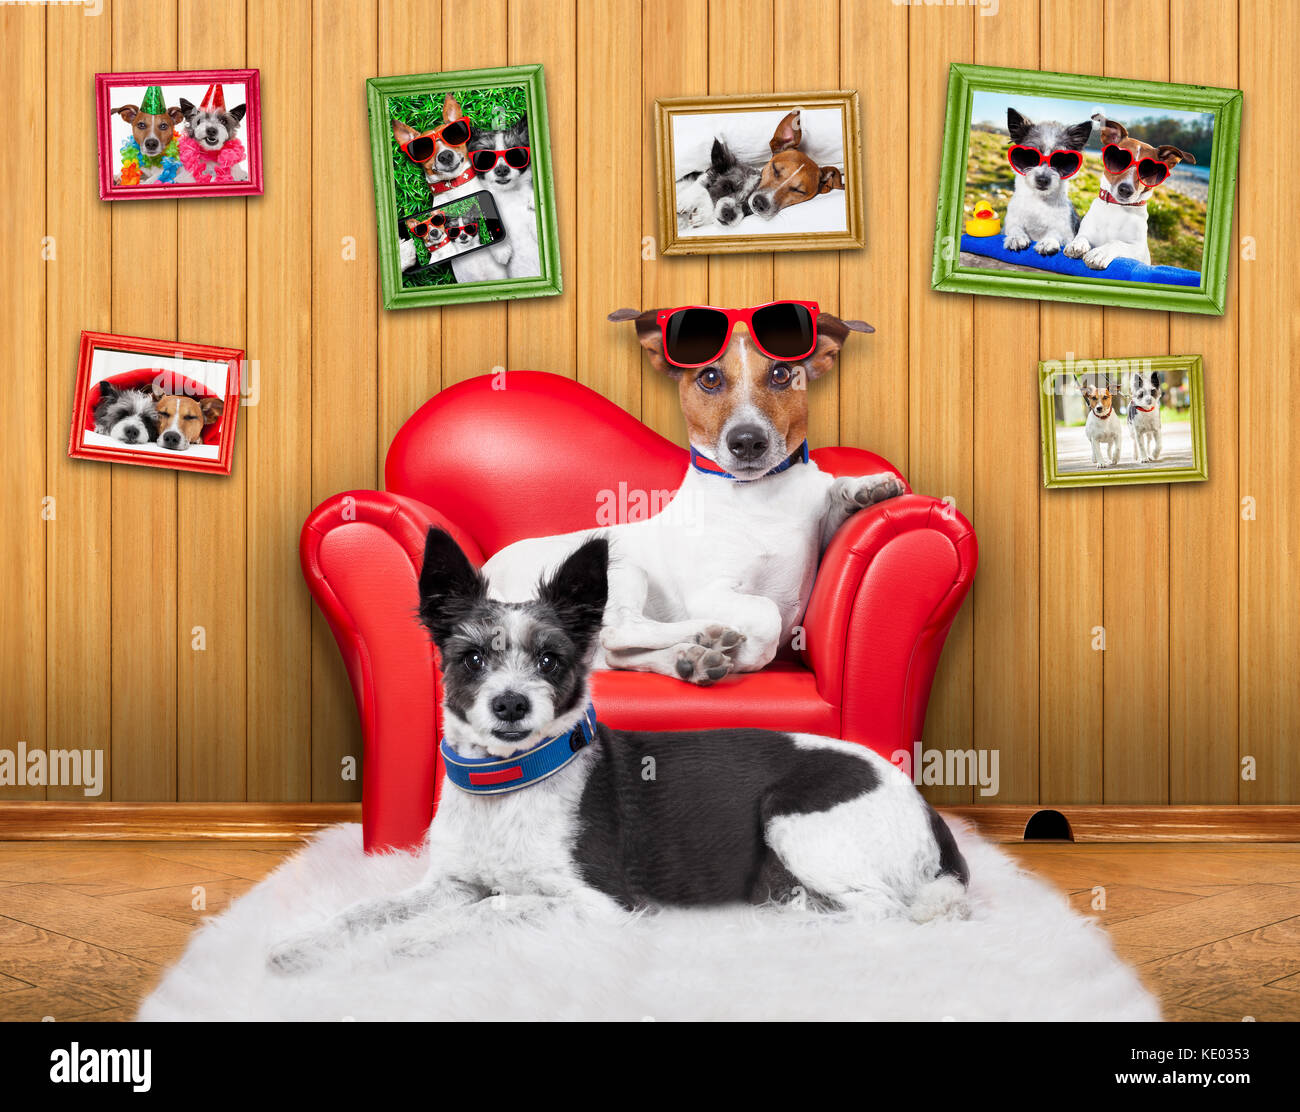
[(1044, 156), (1115, 225)]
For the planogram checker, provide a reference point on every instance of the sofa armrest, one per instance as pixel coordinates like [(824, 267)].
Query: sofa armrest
[(889, 586), (361, 553)]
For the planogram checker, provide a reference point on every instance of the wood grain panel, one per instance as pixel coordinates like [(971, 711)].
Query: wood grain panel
[(1203, 517), (940, 383), (212, 601), (1269, 413), (277, 430), (674, 62), (410, 342), (344, 303), (800, 45), (1007, 475), (78, 543), (874, 369), (609, 135), (1071, 530), (741, 60), (542, 331), (143, 687), (22, 342), (473, 336), (1135, 559)]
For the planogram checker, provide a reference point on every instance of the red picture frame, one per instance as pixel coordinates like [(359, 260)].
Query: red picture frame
[(250, 134), (85, 396)]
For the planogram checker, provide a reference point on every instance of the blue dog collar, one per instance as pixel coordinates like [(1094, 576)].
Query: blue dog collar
[(497, 775), (706, 466)]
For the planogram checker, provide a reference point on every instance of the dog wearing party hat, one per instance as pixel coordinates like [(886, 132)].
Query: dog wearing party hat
[(209, 149), (150, 155)]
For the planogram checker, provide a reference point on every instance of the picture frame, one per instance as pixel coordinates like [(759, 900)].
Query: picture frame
[(1181, 402), (208, 166), (683, 147), (199, 386), (1182, 216), (427, 283)]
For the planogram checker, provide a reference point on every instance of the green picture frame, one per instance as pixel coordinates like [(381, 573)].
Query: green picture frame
[(379, 92), (948, 275), (1117, 367)]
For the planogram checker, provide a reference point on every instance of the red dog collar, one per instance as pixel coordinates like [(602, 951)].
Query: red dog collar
[(460, 179), (1110, 200)]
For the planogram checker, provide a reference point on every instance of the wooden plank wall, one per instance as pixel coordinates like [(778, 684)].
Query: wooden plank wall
[(111, 574)]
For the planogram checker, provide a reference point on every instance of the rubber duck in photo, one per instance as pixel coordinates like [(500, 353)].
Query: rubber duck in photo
[(985, 221)]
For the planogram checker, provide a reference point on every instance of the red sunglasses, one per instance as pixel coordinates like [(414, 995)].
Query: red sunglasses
[(437, 220), (695, 335), (1117, 159), (484, 160), (1023, 158), (422, 147), (471, 228)]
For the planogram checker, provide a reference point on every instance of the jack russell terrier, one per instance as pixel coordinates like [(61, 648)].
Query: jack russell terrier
[(182, 419), (1144, 416), (1115, 225), (1044, 157), (716, 582), (443, 157), (1104, 432), (546, 808)]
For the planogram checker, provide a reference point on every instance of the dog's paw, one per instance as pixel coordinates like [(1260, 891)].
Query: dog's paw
[(700, 664), (1077, 247), (1099, 258), (870, 489), (1049, 246), (718, 636), (1017, 241)]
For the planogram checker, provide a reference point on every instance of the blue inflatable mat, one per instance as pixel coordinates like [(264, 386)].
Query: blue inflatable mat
[(1128, 270)]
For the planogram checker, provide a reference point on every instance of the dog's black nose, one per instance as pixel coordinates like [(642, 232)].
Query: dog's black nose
[(747, 443), (1124, 189), (1042, 180), (170, 439), (759, 202), (129, 434), (510, 706)]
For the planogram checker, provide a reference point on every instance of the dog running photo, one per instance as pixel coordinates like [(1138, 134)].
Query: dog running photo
[(717, 581), (1144, 416), (1115, 225), (1103, 429), (546, 807), (1044, 157)]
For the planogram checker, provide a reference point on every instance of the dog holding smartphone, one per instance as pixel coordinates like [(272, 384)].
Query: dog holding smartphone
[(716, 582)]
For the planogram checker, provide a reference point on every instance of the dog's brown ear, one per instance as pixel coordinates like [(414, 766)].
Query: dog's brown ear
[(176, 116), (128, 112), (402, 132), (831, 334), (1170, 156), (831, 178), (1111, 130), (787, 134), (157, 391), (212, 409), (649, 336), (450, 109)]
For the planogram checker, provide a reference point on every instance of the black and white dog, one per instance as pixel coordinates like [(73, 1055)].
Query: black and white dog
[(1144, 416), (126, 415), (546, 808), (719, 194), (503, 162), (1044, 157)]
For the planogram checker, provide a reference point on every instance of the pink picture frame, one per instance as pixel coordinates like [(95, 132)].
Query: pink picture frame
[(177, 178)]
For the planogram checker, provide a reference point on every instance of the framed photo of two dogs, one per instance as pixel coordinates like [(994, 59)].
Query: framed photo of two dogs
[(1053, 186)]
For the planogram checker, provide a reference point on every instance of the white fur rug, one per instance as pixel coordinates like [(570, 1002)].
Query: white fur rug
[(1023, 955)]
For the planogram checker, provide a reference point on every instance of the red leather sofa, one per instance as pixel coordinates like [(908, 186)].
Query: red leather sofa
[(545, 455)]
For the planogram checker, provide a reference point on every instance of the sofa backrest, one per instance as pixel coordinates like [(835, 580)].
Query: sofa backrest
[(530, 454)]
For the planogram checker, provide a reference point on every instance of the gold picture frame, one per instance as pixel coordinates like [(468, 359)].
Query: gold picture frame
[(673, 242)]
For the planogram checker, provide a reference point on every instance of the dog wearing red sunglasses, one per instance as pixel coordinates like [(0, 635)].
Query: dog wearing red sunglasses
[(502, 159), (717, 580), (1044, 156), (1115, 225)]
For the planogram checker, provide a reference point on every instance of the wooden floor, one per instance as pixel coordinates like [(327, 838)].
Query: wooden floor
[(86, 928)]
